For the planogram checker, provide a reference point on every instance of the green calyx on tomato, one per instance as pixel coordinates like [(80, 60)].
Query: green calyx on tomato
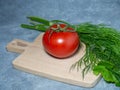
[(60, 41), (62, 28)]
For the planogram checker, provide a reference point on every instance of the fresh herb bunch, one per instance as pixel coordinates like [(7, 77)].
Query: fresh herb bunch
[(102, 47), (103, 51)]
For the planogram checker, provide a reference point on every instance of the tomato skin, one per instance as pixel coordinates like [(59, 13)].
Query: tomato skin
[(60, 44)]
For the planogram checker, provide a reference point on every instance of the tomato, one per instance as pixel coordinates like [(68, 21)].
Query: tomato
[(60, 41)]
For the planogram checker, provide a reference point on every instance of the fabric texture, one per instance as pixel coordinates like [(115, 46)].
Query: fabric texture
[(14, 12)]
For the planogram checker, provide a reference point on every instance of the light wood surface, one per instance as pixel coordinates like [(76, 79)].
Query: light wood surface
[(36, 61)]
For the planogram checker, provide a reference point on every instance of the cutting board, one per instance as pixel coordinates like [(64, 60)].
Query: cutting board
[(35, 60)]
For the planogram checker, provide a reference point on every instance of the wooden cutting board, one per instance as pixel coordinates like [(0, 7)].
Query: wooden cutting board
[(35, 60)]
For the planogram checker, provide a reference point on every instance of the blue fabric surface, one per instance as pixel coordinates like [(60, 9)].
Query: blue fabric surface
[(14, 12)]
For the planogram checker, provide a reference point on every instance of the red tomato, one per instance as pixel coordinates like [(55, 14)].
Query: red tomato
[(59, 43)]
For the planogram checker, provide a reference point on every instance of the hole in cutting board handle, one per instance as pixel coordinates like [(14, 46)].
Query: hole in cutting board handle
[(17, 46), (21, 44)]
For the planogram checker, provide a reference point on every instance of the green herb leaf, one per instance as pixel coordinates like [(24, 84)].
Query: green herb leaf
[(106, 74), (106, 69), (39, 27), (40, 20), (59, 21)]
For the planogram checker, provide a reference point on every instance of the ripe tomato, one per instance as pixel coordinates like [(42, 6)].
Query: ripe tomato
[(60, 41)]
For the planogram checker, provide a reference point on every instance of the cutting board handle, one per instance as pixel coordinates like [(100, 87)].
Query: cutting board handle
[(17, 46)]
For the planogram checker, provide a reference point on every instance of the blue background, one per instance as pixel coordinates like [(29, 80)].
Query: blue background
[(14, 12)]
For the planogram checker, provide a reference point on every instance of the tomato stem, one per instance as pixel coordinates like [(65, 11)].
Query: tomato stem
[(63, 29)]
